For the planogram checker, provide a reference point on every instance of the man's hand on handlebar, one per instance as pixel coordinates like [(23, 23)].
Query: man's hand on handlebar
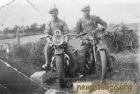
[(49, 36), (101, 28), (49, 40)]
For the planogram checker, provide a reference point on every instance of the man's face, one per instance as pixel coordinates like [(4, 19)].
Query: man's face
[(86, 13), (54, 15)]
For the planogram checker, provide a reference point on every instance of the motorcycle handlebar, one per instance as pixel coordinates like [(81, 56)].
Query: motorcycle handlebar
[(44, 37), (77, 36), (49, 36), (69, 34), (84, 33)]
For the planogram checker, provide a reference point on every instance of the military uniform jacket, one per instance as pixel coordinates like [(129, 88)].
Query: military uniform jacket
[(88, 24), (59, 24)]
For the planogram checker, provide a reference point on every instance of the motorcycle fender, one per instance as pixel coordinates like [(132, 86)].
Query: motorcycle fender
[(52, 61), (68, 59), (58, 51), (67, 56), (53, 65)]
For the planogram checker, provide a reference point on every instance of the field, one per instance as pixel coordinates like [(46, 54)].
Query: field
[(125, 66), (23, 40)]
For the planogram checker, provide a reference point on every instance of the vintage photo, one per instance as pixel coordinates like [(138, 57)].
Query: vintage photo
[(69, 47)]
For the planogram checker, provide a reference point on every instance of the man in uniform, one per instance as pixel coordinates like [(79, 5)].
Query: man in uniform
[(53, 25), (85, 24)]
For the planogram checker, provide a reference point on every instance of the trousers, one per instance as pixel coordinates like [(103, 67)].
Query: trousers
[(84, 53)]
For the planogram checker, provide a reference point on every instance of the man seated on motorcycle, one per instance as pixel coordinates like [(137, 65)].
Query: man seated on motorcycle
[(53, 25), (86, 24)]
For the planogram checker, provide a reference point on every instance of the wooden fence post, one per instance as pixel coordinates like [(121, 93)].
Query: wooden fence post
[(18, 36)]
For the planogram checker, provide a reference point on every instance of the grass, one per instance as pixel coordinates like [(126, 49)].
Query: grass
[(28, 59), (24, 40), (126, 66)]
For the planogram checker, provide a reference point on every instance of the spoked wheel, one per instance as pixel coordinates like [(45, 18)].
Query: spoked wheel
[(60, 70), (101, 64)]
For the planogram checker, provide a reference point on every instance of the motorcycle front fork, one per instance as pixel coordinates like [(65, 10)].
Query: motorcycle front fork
[(53, 65)]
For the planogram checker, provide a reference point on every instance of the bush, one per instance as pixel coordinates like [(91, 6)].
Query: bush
[(28, 58), (121, 38), (37, 54), (20, 52)]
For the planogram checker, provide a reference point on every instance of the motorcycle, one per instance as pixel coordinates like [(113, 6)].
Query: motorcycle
[(97, 55), (60, 61)]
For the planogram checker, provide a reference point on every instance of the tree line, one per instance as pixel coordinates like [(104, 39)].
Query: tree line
[(34, 28)]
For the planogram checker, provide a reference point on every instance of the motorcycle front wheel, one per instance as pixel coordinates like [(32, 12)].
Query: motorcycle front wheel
[(60, 70), (101, 64)]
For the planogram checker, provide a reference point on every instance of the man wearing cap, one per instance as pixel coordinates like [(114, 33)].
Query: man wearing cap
[(56, 23), (53, 25), (85, 24)]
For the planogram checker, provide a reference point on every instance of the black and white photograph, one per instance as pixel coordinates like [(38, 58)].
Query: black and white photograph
[(69, 46)]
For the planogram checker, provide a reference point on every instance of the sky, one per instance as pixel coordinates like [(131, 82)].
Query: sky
[(112, 11)]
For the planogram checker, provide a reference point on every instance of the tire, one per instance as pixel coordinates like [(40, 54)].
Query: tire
[(60, 70), (101, 64), (92, 63)]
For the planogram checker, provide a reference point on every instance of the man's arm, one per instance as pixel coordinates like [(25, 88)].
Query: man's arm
[(101, 22), (47, 29), (48, 32)]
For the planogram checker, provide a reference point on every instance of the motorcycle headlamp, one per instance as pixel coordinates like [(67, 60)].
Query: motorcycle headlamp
[(58, 37), (99, 34)]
